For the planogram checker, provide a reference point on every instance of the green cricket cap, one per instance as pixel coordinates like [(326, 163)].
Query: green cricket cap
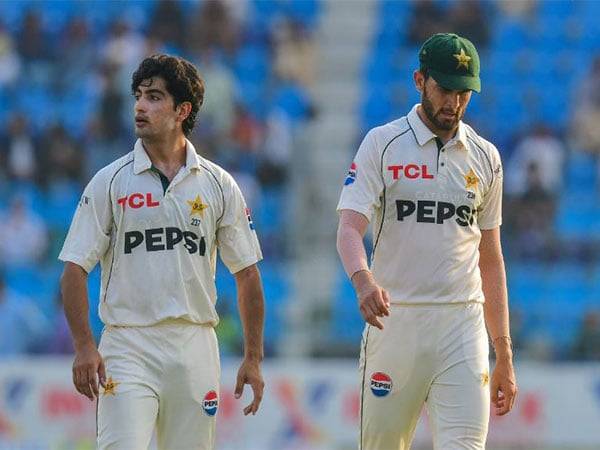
[(452, 61)]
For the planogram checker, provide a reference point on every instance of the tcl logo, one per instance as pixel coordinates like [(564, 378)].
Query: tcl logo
[(138, 200), (410, 171)]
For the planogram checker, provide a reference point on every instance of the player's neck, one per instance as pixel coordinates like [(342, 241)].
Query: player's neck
[(167, 154)]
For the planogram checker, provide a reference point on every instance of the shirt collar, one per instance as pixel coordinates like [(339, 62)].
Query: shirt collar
[(423, 134), (142, 162)]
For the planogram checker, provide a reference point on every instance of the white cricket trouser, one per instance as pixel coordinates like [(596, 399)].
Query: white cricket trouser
[(435, 355), (164, 377)]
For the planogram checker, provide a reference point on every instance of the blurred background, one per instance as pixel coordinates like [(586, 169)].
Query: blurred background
[(292, 86)]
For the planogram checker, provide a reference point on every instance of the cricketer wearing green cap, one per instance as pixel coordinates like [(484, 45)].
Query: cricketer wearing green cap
[(452, 61), (435, 289)]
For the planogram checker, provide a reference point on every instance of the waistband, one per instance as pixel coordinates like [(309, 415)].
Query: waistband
[(163, 323), (434, 304)]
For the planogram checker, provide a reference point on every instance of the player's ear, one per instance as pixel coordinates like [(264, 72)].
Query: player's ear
[(419, 79), (184, 110)]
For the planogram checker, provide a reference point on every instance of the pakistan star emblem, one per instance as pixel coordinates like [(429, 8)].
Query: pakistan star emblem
[(471, 179), (110, 386), (197, 206), (485, 378), (463, 59)]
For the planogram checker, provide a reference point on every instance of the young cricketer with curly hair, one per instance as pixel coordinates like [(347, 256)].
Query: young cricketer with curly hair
[(155, 219)]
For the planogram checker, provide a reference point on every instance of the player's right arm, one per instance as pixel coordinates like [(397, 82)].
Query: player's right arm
[(87, 361), (373, 301), (360, 197), (86, 243)]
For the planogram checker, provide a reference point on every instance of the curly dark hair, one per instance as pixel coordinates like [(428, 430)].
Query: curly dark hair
[(182, 80)]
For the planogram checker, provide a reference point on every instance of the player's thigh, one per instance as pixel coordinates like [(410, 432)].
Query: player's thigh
[(128, 405), (190, 399), (459, 399), (393, 388), (458, 410), (126, 417)]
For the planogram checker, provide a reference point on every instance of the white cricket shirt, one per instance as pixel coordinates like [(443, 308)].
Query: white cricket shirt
[(157, 244), (428, 204)]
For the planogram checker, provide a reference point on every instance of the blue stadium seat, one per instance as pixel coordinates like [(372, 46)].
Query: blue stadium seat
[(263, 14), (554, 110), (381, 67), (556, 9), (568, 283), (510, 35), (347, 323), (573, 224), (552, 33), (75, 116), (292, 99), (28, 192), (589, 9), (252, 64), (305, 11), (12, 13), (276, 290), (563, 331), (394, 10), (386, 40), (55, 15), (38, 99), (524, 282), (581, 174), (94, 296), (24, 280), (268, 216), (376, 108), (252, 97), (276, 284), (586, 201), (275, 279), (60, 203), (35, 283)]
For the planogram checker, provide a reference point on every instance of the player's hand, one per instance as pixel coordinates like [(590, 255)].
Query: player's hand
[(87, 364), (503, 387), (249, 373), (373, 300)]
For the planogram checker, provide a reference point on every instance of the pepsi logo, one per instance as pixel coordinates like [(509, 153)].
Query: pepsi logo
[(351, 177), (381, 384), (210, 404)]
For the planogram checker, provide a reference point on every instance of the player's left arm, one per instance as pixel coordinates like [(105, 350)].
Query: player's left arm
[(252, 313), (503, 386)]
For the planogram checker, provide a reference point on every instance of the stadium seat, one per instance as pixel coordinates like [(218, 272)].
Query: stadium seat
[(60, 203), (252, 64), (263, 14), (305, 11), (581, 170), (292, 100), (510, 35), (376, 108), (252, 96), (347, 323)]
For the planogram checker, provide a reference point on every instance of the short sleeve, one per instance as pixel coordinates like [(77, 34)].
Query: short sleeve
[(89, 235), (236, 238), (363, 184), (490, 211)]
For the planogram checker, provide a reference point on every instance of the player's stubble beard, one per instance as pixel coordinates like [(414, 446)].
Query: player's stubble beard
[(150, 136), (432, 115)]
